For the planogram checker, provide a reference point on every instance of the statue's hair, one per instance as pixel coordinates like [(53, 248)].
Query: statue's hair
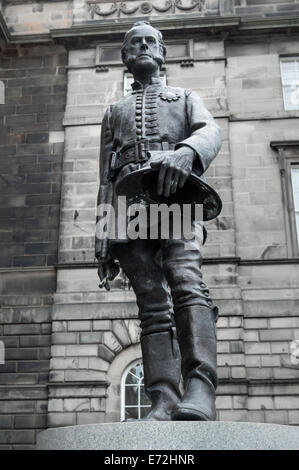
[(127, 35)]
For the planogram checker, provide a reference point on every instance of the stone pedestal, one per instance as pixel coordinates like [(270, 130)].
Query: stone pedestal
[(184, 435)]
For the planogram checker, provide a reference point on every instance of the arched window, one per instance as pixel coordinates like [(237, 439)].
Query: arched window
[(134, 402), (2, 93)]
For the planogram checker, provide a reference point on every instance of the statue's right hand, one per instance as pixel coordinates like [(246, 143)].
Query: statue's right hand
[(174, 169), (107, 271)]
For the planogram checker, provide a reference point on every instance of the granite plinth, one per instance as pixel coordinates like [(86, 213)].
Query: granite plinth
[(174, 435)]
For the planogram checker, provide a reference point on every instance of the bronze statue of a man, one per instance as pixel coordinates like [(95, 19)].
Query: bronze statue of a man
[(175, 308)]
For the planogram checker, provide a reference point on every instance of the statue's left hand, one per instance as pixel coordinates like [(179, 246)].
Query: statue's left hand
[(107, 271), (175, 168)]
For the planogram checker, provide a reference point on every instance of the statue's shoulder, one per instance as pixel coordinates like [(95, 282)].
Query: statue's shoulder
[(124, 101)]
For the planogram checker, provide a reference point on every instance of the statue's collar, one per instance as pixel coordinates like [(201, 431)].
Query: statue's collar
[(136, 85)]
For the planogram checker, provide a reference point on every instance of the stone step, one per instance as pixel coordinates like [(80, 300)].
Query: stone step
[(168, 435)]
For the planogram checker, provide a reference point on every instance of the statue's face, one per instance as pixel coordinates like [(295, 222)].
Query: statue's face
[(143, 50)]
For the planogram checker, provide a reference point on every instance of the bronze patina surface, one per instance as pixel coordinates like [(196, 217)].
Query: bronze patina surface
[(176, 312)]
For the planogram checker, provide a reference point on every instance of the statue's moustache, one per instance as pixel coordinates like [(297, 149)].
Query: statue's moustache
[(132, 59)]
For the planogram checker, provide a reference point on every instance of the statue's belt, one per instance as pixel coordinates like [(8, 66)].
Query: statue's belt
[(137, 152)]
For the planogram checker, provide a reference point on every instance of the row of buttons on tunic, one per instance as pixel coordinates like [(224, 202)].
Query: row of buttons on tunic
[(139, 98), (150, 111), (151, 98)]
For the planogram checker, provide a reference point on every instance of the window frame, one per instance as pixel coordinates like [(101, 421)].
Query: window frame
[(295, 166), (284, 58), (123, 390), (288, 157)]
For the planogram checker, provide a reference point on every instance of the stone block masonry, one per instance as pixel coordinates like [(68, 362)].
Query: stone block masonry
[(82, 352), (38, 17), (31, 17), (25, 319), (31, 149), (64, 362)]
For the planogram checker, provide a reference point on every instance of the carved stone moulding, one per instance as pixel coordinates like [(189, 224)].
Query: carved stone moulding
[(143, 8), (102, 68), (187, 63)]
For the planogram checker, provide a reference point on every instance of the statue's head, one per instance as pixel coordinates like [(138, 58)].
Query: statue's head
[(143, 47)]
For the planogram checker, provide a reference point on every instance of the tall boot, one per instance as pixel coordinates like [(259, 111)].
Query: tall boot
[(162, 371), (197, 340)]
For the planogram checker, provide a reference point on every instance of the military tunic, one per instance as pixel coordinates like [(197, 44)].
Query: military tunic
[(155, 117)]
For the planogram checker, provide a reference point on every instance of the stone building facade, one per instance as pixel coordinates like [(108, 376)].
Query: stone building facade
[(66, 343)]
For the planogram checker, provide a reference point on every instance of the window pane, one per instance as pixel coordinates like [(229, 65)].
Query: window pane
[(131, 413), (138, 370), (144, 411), (144, 400), (110, 55), (290, 78), (297, 226), (290, 82), (135, 403), (289, 72), (131, 379), (131, 395), (295, 177), (295, 184), (295, 187), (291, 97)]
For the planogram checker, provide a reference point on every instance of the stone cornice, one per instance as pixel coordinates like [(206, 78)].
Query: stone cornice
[(228, 260), (247, 24), (117, 29), (79, 383), (283, 144), (261, 116), (107, 30), (228, 25), (27, 269)]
